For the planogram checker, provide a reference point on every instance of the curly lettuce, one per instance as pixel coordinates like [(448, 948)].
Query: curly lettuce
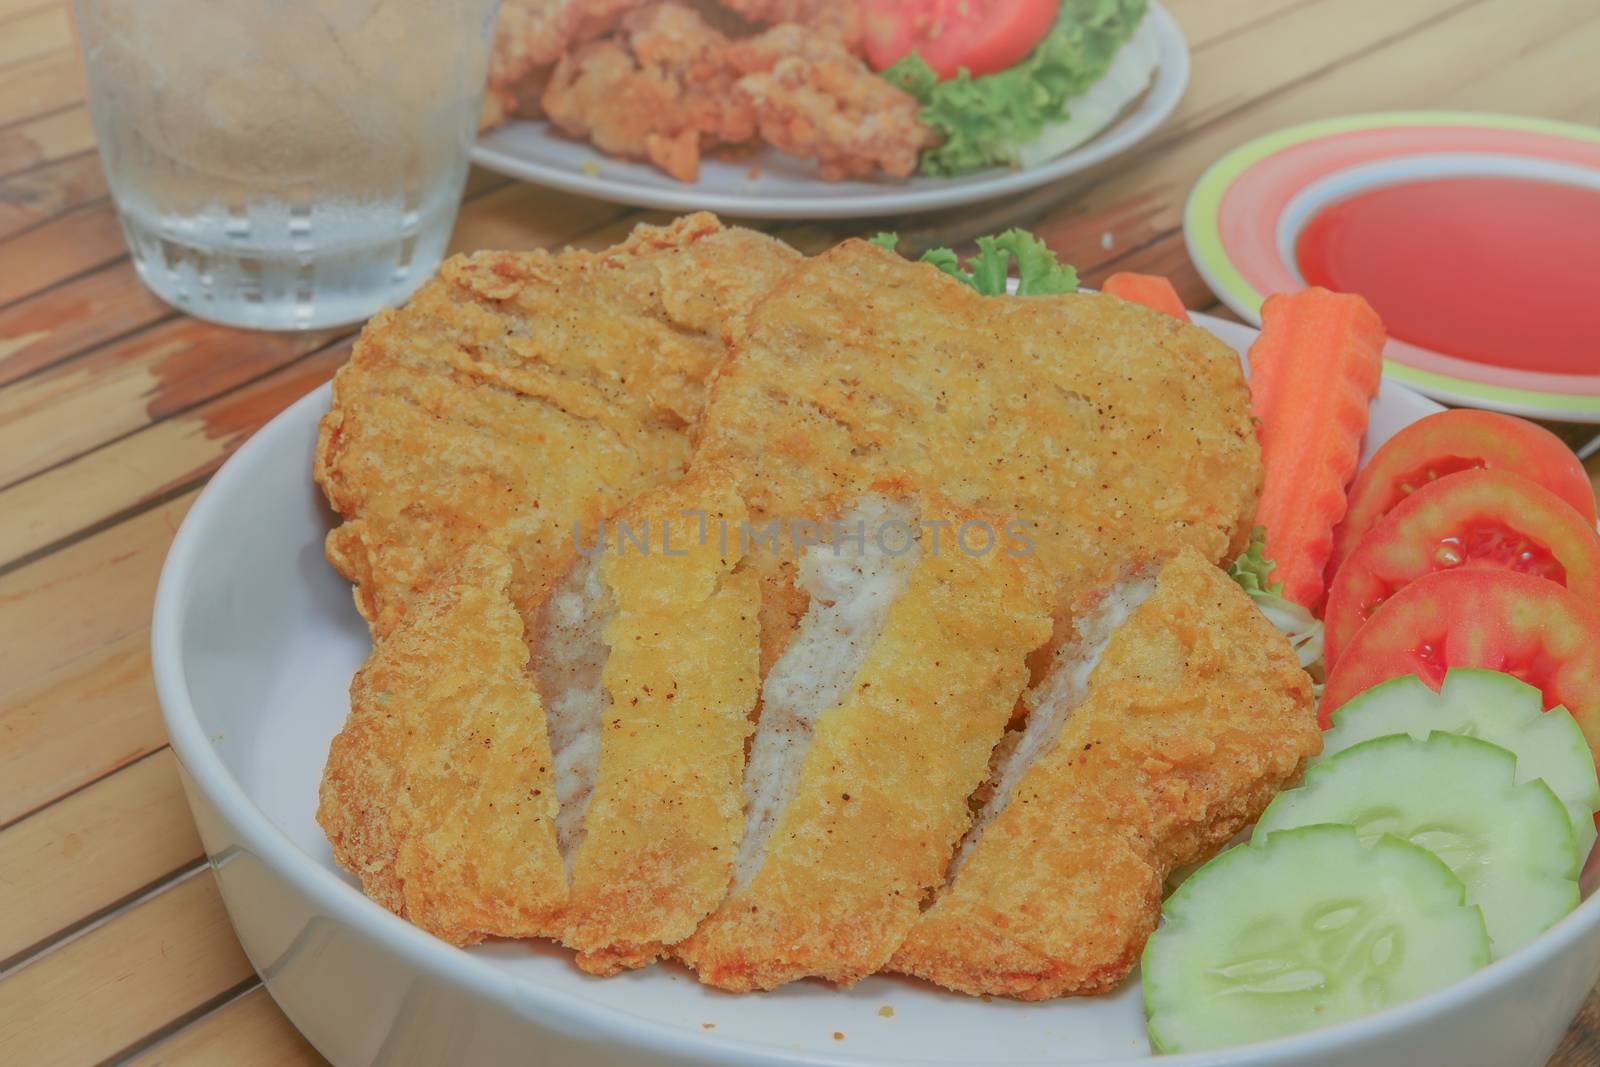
[(1253, 571), (992, 119), (1039, 273)]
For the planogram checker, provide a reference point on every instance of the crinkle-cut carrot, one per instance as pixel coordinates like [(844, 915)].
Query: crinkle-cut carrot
[(1151, 290), (1313, 371)]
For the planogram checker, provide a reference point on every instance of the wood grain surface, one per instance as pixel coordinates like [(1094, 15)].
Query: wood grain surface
[(115, 409)]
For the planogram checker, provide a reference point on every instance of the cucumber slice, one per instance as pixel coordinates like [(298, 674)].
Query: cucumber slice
[(1511, 845), (1308, 929), (1492, 706)]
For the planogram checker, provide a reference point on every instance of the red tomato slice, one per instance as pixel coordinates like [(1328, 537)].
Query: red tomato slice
[(1499, 620), (1447, 443), (1483, 518), (982, 36)]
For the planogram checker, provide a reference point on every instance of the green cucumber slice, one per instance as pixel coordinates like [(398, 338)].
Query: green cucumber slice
[(1510, 844), (1309, 929), (1495, 707)]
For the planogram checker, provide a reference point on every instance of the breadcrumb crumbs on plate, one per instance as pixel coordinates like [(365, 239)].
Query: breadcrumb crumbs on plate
[(838, 1035), (753, 173), (887, 1011), (708, 1026), (591, 168)]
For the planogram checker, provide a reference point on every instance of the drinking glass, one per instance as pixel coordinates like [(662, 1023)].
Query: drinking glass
[(285, 164)]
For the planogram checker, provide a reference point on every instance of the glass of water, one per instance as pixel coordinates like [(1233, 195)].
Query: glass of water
[(285, 164)]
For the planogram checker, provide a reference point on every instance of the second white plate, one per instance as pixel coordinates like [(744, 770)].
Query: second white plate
[(772, 185)]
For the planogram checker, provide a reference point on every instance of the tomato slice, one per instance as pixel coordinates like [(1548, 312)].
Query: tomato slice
[(1499, 620), (1482, 518), (982, 36), (1447, 443)]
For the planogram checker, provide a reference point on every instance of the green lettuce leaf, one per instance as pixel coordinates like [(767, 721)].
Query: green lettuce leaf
[(1253, 570), (989, 120), (1039, 273)]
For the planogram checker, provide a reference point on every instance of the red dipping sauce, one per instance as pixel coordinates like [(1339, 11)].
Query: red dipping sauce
[(1503, 271)]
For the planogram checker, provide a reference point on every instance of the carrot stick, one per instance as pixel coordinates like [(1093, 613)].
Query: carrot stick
[(1151, 290), (1313, 371)]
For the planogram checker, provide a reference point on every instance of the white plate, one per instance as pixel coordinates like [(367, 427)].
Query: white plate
[(787, 187), (255, 640)]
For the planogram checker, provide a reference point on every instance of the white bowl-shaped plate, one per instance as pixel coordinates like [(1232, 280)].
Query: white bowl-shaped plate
[(771, 185), (255, 640)]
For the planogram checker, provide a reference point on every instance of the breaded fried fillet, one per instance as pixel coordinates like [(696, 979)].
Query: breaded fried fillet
[(438, 792), (877, 722), (1164, 728), (1116, 432), (521, 392), (652, 839)]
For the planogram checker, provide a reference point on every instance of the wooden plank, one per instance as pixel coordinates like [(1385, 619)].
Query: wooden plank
[(248, 1032), (47, 191), (1541, 80), (81, 722), (62, 248), (73, 317), (45, 140), (86, 596), (38, 86), (108, 989), (1204, 22), (1268, 56), (140, 467), (132, 383), (520, 216), (1581, 1045), (35, 33), (97, 847), (10, 9)]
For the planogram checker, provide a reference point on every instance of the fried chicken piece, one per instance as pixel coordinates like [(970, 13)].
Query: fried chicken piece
[(876, 725), (529, 37), (839, 20), (1110, 432), (1166, 726), (519, 393), (438, 792), (650, 729), (528, 34), (660, 90), (812, 98)]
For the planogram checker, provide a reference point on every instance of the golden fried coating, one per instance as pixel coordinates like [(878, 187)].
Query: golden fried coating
[(812, 98), (662, 827), (881, 795), (518, 393), (1196, 716), (660, 90), (1116, 433), (528, 34), (529, 37), (438, 791), (837, 19)]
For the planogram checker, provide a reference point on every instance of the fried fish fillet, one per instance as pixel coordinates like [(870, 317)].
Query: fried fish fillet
[(1114, 432), (439, 791), (1164, 728), (652, 750), (521, 392), (876, 724)]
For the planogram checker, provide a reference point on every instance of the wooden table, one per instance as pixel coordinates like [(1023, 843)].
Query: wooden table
[(114, 410)]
